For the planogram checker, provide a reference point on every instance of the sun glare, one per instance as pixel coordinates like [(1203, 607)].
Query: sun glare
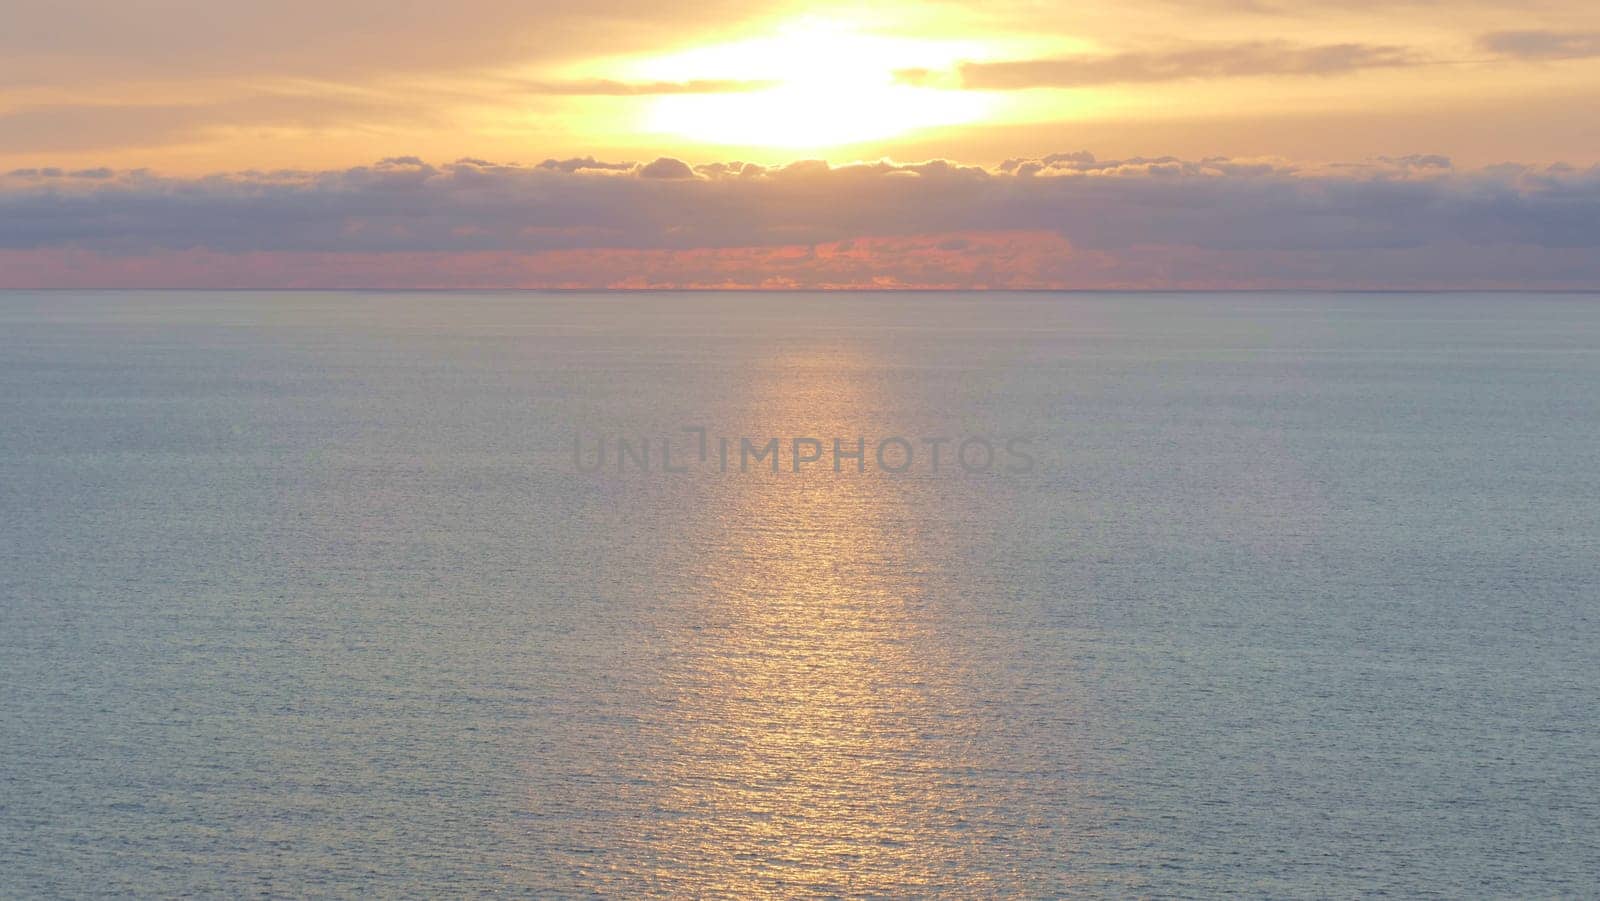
[(830, 86)]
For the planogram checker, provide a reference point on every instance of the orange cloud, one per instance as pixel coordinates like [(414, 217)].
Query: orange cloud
[(1010, 260)]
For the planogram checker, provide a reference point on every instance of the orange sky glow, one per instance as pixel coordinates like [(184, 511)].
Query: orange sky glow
[(220, 100)]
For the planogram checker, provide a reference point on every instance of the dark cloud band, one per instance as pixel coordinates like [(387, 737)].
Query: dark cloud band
[(1418, 209)]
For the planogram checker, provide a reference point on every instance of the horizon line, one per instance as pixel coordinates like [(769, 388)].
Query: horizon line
[(1595, 290)]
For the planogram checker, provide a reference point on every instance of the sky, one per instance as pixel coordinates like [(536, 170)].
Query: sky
[(633, 144)]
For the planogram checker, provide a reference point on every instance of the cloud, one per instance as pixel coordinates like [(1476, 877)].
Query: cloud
[(1177, 64), (600, 87), (103, 125), (587, 163), (93, 126), (666, 167), (1535, 45), (60, 42), (1146, 221)]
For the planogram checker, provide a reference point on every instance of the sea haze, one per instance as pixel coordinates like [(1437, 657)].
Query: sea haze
[(306, 594)]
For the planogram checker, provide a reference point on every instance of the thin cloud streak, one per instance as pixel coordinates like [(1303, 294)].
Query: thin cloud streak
[(78, 127), (1233, 60), (600, 87), (1543, 45)]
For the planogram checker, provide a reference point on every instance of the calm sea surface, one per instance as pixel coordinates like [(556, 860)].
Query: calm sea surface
[(308, 594)]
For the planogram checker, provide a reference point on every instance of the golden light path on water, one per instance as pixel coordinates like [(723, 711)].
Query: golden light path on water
[(807, 725), (807, 699), (782, 684), (800, 767)]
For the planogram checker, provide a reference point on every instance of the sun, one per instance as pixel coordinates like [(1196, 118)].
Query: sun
[(828, 85)]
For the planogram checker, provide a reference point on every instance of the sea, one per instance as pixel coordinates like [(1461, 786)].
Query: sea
[(780, 595)]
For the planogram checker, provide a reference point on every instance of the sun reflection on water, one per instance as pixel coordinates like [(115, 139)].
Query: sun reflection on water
[(817, 731), (805, 701), (783, 688)]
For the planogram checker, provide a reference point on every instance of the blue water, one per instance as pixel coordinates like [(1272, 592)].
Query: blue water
[(308, 594)]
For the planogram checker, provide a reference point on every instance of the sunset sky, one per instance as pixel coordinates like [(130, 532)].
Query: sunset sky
[(627, 144)]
